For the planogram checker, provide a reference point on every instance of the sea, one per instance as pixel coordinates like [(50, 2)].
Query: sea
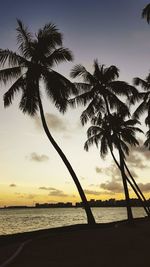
[(31, 219)]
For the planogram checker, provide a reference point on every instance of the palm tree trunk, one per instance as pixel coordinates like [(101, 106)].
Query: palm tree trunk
[(90, 217), (146, 208), (129, 210), (144, 199)]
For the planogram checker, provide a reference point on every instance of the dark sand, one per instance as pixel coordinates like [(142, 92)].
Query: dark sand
[(106, 245)]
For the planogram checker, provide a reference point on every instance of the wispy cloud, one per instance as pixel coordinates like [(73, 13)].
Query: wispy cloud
[(144, 187), (53, 121), (112, 186), (98, 170), (38, 158), (54, 191), (12, 185)]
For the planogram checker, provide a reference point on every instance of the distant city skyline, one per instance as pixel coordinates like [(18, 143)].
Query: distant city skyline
[(31, 171)]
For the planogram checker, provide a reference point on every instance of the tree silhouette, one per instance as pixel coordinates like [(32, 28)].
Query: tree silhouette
[(100, 90), (146, 13), (113, 131), (33, 64)]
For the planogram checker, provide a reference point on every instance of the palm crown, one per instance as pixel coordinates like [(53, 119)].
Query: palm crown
[(100, 90), (34, 63), (145, 97), (112, 131)]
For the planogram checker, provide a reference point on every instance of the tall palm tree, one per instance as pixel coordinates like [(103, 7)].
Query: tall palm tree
[(33, 64), (113, 131), (99, 90), (146, 13)]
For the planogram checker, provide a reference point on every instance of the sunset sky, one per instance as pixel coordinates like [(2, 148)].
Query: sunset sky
[(30, 169)]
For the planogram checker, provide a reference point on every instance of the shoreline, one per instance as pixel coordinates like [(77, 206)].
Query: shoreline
[(60, 242)]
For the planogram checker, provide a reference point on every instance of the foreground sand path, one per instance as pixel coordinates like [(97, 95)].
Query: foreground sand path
[(114, 246)]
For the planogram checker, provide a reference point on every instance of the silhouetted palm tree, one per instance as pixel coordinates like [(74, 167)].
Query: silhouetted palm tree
[(37, 55), (113, 131), (99, 90), (144, 106), (146, 13)]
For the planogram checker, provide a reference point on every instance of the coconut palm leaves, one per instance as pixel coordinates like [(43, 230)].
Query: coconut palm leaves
[(100, 90), (114, 132), (144, 106), (33, 64), (146, 13), (30, 67)]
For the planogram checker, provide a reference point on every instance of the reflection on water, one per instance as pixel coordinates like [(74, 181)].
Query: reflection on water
[(23, 220)]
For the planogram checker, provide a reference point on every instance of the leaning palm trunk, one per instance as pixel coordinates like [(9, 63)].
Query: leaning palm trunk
[(129, 210), (139, 190), (134, 187), (89, 214)]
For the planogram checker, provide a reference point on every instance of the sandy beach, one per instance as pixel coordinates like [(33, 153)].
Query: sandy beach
[(114, 244)]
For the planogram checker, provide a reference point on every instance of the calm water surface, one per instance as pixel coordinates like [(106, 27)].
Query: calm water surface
[(23, 220)]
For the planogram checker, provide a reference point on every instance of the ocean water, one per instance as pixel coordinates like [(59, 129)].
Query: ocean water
[(24, 220)]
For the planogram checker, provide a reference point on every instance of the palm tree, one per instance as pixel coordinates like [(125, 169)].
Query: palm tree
[(99, 90), (145, 97), (146, 13), (33, 64), (113, 131)]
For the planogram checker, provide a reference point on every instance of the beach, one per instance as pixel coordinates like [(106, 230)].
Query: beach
[(112, 244)]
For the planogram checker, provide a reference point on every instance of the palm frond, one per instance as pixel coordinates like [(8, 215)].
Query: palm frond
[(146, 13), (13, 59), (48, 38), (111, 73), (29, 105), (79, 70), (140, 110), (144, 84), (104, 146), (59, 55), (58, 88), (98, 71), (25, 40), (82, 87), (82, 99), (116, 103), (147, 142), (10, 74), (9, 95), (94, 130), (92, 140), (123, 89), (96, 105), (131, 122)]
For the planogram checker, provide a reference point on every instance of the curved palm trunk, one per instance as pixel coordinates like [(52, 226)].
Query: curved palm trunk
[(144, 199), (90, 217), (146, 208), (129, 210)]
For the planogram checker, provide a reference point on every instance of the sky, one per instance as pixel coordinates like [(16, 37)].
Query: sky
[(30, 169)]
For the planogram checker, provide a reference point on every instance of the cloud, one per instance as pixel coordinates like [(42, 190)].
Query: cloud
[(53, 121), (92, 192), (46, 188), (26, 196), (38, 158), (98, 170), (57, 193), (112, 186), (54, 191), (138, 155), (144, 187), (12, 185)]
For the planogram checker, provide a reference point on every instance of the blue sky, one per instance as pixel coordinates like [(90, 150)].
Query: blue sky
[(114, 33)]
